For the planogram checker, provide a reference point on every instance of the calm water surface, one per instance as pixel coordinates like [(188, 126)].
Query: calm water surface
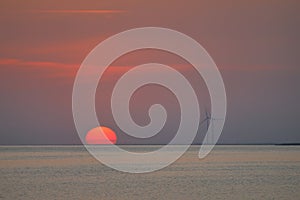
[(229, 172)]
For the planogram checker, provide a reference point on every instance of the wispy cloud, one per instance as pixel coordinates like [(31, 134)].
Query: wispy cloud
[(49, 68), (81, 11), (19, 62), (8, 61)]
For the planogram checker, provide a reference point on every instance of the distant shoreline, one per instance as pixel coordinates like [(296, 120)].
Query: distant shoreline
[(288, 144)]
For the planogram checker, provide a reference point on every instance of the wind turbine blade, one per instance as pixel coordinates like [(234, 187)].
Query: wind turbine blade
[(207, 123), (207, 114), (203, 121)]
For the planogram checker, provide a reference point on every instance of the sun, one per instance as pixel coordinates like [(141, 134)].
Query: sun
[(101, 135)]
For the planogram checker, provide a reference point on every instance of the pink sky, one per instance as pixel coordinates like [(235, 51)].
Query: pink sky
[(254, 43)]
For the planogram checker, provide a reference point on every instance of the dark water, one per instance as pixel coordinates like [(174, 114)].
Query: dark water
[(229, 172)]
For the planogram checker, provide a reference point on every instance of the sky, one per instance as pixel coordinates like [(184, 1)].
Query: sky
[(255, 45)]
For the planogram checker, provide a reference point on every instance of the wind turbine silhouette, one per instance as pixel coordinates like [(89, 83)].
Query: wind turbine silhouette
[(206, 119), (209, 122)]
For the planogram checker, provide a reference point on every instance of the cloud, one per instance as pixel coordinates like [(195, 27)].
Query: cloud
[(9, 61), (81, 11), (47, 69), (19, 62)]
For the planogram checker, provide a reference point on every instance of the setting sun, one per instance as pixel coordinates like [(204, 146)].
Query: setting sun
[(97, 136)]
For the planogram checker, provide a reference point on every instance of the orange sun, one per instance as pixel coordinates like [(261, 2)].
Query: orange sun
[(97, 136)]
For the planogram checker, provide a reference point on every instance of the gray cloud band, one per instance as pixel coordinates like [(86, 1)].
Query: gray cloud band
[(104, 54)]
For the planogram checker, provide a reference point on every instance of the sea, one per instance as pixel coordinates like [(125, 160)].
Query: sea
[(228, 172)]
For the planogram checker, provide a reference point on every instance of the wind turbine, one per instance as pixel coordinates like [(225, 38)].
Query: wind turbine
[(206, 119), (209, 122)]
